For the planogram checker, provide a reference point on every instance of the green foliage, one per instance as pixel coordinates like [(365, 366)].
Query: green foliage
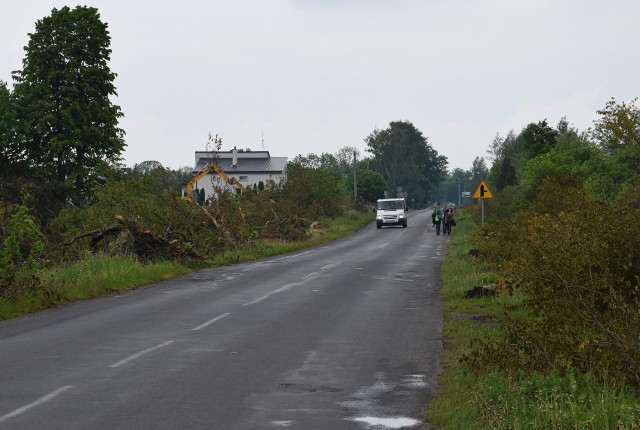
[(205, 230), (68, 126), (451, 187), (312, 192), (323, 161), (629, 196), (159, 177), (491, 397), (229, 223), (100, 274), (404, 157), (575, 258), (90, 277), (371, 185), (9, 150), (547, 165), (506, 174), (22, 245), (619, 126), (562, 228), (538, 139), (507, 154), (479, 170)]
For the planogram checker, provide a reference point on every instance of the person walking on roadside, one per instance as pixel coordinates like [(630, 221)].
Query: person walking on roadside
[(437, 218), (447, 221)]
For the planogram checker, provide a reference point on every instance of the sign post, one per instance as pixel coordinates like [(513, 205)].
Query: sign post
[(465, 196), (482, 193)]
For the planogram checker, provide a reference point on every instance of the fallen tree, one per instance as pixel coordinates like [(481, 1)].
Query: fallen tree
[(128, 236)]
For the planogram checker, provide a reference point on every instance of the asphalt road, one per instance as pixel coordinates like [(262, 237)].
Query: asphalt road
[(340, 336)]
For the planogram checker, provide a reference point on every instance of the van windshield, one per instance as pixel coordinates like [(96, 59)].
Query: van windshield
[(391, 204)]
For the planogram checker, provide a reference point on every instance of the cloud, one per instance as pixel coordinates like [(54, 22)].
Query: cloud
[(315, 76)]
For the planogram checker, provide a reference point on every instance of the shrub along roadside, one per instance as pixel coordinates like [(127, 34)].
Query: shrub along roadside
[(487, 398), (100, 274)]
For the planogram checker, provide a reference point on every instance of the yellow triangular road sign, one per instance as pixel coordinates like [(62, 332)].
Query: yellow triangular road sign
[(482, 192)]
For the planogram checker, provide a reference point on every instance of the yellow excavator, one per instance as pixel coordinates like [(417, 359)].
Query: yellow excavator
[(211, 167)]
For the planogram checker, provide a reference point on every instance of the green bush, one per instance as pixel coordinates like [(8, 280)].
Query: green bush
[(576, 260), (22, 245), (206, 230)]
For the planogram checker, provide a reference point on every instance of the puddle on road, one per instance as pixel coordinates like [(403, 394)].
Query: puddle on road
[(389, 423), (366, 408), (414, 381)]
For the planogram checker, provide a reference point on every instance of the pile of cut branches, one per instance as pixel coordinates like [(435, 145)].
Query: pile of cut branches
[(128, 236)]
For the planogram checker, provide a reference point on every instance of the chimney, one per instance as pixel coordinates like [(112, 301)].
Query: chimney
[(234, 162)]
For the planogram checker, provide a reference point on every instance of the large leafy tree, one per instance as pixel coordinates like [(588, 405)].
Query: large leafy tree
[(402, 154), (68, 125), (9, 153)]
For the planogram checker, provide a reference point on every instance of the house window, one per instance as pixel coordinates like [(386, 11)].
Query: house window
[(244, 178)]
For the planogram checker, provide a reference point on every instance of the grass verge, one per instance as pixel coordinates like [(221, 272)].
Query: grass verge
[(493, 401), (95, 276), (100, 274)]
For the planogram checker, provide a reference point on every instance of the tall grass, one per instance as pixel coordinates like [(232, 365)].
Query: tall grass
[(94, 276), (494, 401), (554, 402)]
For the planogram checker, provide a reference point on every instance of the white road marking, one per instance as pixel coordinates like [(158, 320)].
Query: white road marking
[(388, 423), (375, 247), (218, 318), (292, 256), (38, 402), (331, 266), (283, 288), (139, 354)]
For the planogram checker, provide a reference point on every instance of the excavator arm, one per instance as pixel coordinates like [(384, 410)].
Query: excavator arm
[(230, 181), (205, 171)]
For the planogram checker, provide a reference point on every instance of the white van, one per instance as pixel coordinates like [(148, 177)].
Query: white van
[(391, 212)]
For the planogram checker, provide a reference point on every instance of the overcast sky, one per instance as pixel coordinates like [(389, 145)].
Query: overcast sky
[(313, 76)]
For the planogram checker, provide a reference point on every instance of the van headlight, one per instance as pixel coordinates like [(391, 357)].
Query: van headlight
[(378, 216)]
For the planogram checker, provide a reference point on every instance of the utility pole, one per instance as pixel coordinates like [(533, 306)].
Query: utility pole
[(355, 182)]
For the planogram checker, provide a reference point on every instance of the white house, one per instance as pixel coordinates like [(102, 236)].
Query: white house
[(248, 167)]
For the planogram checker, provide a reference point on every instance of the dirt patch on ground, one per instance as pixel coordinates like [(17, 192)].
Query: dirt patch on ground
[(482, 291)]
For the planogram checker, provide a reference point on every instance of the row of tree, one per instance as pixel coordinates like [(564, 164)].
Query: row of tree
[(606, 157), (400, 162)]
